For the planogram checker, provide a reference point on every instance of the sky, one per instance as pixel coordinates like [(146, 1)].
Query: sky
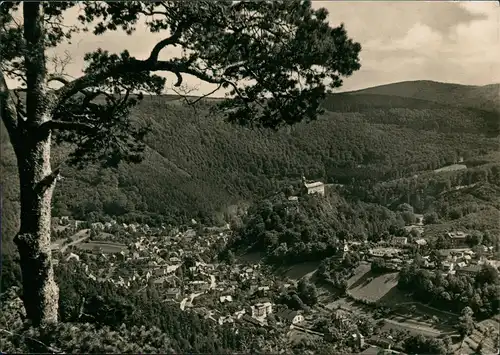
[(457, 42)]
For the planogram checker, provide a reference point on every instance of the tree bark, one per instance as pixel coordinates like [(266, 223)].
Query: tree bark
[(40, 292)]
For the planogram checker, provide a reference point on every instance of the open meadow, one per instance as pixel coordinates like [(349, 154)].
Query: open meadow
[(104, 247), (368, 286)]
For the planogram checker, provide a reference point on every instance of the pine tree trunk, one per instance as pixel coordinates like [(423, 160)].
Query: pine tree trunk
[(40, 292)]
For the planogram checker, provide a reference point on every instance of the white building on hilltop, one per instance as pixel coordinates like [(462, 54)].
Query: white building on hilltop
[(316, 187)]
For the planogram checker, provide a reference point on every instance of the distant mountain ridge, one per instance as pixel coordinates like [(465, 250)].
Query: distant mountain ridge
[(486, 97)]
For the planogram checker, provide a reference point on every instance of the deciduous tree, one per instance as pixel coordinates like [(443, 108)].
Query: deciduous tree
[(277, 59), (465, 324)]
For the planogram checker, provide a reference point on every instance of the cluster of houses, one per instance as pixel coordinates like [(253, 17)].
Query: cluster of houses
[(395, 254), (223, 281), (394, 258), (158, 259), (458, 260), (463, 261), (452, 261), (153, 257), (256, 314), (106, 226), (155, 262)]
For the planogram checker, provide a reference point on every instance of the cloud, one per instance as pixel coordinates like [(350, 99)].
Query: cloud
[(485, 8), (443, 17), (419, 38), (442, 41), (479, 39), (388, 20), (466, 52)]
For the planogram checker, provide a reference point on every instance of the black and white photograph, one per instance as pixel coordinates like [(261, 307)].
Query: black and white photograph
[(250, 177)]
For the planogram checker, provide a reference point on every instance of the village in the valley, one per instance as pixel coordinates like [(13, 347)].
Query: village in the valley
[(179, 263)]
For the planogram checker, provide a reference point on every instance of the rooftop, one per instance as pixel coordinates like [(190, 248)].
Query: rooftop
[(471, 268), (457, 235), (287, 314), (313, 184)]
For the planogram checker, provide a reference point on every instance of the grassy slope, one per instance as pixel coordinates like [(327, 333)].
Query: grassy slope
[(199, 163)]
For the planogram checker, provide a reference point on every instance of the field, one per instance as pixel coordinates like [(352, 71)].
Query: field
[(416, 327), (405, 314), (253, 257), (421, 311), (298, 271), (359, 273), (365, 285), (104, 247)]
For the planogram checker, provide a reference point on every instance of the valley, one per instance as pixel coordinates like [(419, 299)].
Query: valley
[(219, 223), (182, 265), (249, 177)]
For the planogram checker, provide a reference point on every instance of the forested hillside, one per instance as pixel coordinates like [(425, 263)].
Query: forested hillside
[(310, 229), (199, 166)]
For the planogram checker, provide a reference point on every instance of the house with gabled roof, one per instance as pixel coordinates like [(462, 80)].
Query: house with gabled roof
[(313, 187), (289, 316)]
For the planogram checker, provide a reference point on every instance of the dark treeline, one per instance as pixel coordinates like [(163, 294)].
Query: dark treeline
[(422, 190), (454, 292), (123, 319), (465, 199)]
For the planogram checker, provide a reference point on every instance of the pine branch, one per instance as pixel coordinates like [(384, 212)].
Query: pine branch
[(67, 126), (57, 77), (151, 64), (172, 40)]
